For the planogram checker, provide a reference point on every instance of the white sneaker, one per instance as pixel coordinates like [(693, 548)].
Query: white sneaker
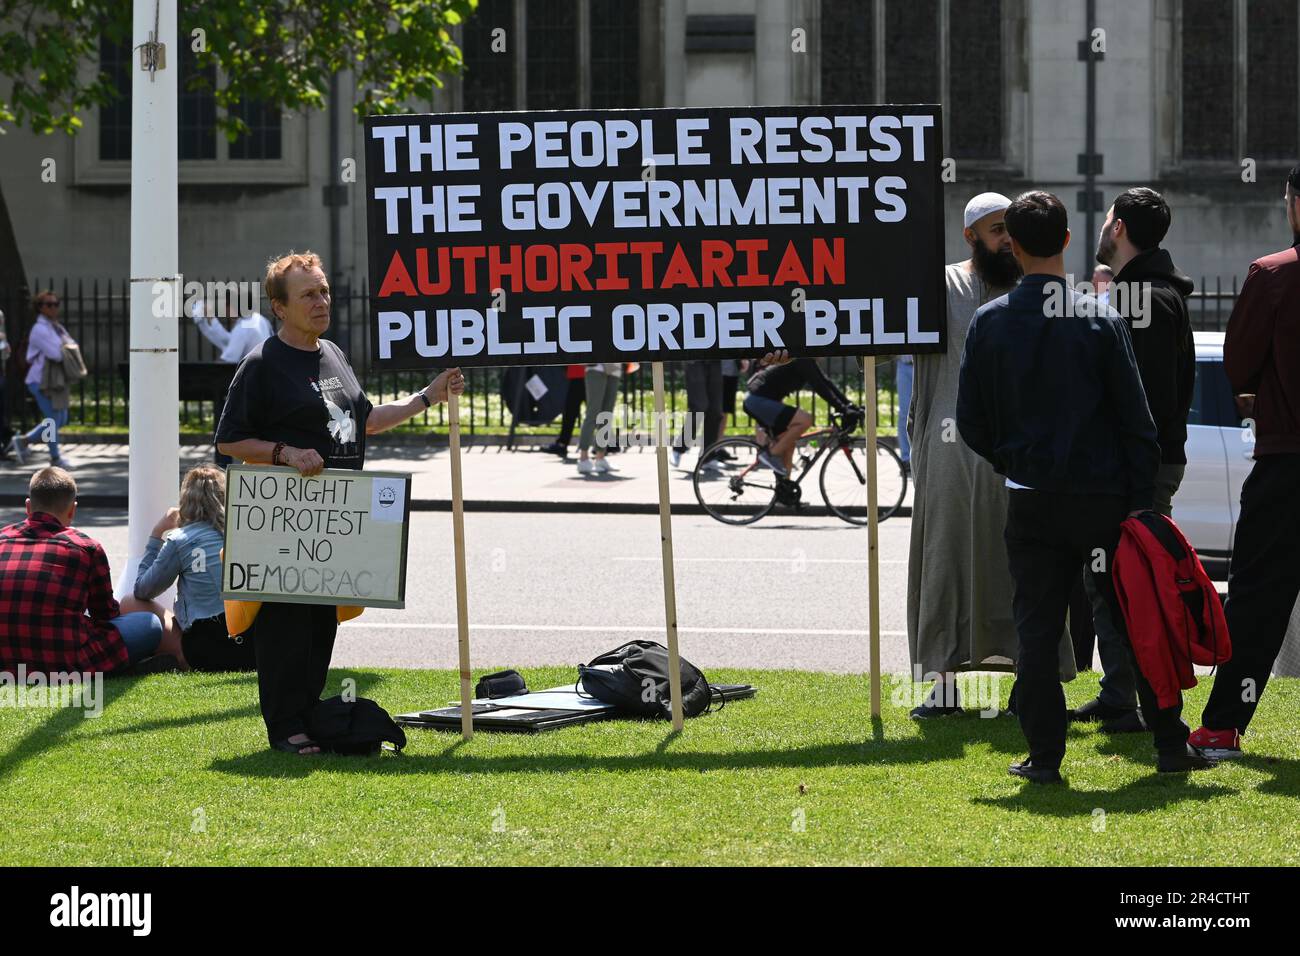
[(19, 448), (675, 457), (603, 465), (584, 466), (770, 460), (711, 466)]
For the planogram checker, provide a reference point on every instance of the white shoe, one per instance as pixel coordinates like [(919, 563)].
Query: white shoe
[(19, 448), (770, 460), (675, 457), (711, 466), (61, 462), (584, 466), (602, 466)]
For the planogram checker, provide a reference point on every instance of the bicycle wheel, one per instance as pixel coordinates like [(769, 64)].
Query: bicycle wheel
[(732, 485), (844, 481)]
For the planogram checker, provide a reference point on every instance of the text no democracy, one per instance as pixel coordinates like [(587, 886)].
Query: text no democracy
[(502, 238), (326, 539)]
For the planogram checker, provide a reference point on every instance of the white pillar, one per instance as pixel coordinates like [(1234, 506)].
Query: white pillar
[(155, 284)]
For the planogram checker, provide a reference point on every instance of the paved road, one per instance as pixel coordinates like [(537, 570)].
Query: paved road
[(491, 475), (558, 589)]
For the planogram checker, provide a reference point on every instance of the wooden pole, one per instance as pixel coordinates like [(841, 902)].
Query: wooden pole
[(458, 545), (873, 529), (666, 543)]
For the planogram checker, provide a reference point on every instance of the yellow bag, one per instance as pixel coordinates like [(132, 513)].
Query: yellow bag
[(241, 614)]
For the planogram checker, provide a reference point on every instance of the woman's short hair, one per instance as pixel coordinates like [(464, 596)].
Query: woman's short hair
[(277, 268), (203, 497), (40, 297)]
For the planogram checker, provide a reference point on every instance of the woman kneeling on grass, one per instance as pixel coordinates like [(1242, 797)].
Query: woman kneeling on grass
[(186, 545)]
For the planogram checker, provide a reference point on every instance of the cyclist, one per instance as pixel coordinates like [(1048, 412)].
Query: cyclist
[(768, 389)]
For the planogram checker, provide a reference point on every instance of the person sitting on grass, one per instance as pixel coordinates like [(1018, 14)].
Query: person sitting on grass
[(57, 610), (185, 548)]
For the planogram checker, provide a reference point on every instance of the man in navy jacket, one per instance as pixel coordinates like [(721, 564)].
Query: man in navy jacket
[(1050, 395)]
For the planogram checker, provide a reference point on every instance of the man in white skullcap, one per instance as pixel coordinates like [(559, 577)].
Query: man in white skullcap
[(958, 581)]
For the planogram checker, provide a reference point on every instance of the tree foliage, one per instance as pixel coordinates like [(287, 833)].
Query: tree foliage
[(280, 52)]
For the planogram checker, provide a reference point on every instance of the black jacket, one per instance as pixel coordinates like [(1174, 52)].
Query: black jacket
[(781, 381), (1054, 402), (1162, 343)]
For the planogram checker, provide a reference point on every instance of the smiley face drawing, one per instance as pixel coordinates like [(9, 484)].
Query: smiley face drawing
[(387, 497)]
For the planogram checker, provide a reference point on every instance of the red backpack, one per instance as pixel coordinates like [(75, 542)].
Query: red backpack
[(1172, 610)]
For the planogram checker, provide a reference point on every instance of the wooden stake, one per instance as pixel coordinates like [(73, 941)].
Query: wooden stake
[(873, 529), (458, 546), (666, 542)]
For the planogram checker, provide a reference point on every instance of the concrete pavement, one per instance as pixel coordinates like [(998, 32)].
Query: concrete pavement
[(495, 479)]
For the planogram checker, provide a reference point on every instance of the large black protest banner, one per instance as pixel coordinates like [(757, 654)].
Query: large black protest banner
[(652, 235)]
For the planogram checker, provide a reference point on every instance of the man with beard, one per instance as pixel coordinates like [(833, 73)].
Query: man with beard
[(1054, 401), (1261, 355), (1151, 293), (958, 582)]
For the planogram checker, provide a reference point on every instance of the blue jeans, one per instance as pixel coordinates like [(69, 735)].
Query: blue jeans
[(59, 418), (141, 633), (903, 372)]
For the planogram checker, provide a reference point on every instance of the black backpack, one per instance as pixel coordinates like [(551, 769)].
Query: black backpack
[(355, 728), (637, 683)]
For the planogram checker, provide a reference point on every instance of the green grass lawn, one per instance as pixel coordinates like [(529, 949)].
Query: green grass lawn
[(176, 772)]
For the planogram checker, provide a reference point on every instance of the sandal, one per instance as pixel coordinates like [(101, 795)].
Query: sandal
[(288, 747)]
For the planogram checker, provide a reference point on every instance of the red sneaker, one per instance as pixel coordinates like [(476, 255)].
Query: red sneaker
[(1217, 744)]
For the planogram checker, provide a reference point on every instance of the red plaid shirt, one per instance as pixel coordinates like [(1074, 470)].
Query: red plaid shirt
[(49, 577)]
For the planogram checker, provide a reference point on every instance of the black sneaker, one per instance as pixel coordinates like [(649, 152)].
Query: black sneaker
[(555, 448), (1026, 770), (930, 707), (1181, 761), (1097, 709), (1130, 723)]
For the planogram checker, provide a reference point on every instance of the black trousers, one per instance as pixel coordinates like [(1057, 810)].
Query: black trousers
[(1050, 538), (703, 401), (574, 396), (293, 644), (1082, 633), (1263, 582)]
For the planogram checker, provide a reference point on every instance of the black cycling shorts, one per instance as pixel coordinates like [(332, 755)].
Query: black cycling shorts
[(773, 415)]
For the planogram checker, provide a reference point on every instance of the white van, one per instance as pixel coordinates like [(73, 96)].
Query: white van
[(1219, 450)]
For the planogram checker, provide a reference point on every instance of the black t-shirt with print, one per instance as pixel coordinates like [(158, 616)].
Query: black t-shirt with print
[(304, 399)]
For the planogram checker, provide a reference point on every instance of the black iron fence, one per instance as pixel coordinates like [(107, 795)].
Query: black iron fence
[(97, 314)]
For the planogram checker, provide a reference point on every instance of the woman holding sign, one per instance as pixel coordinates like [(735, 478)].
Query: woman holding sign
[(295, 401)]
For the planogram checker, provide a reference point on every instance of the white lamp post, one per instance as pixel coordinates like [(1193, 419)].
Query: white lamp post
[(155, 283)]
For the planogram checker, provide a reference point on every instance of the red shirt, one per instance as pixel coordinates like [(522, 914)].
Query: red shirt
[(50, 576), (1261, 352)]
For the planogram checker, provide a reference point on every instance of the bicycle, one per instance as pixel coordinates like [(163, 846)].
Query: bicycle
[(735, 487)]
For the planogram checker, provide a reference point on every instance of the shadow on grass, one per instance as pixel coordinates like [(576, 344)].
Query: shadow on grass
[(936, 741), (1285, 774), (51, 733), (1152, 792)]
